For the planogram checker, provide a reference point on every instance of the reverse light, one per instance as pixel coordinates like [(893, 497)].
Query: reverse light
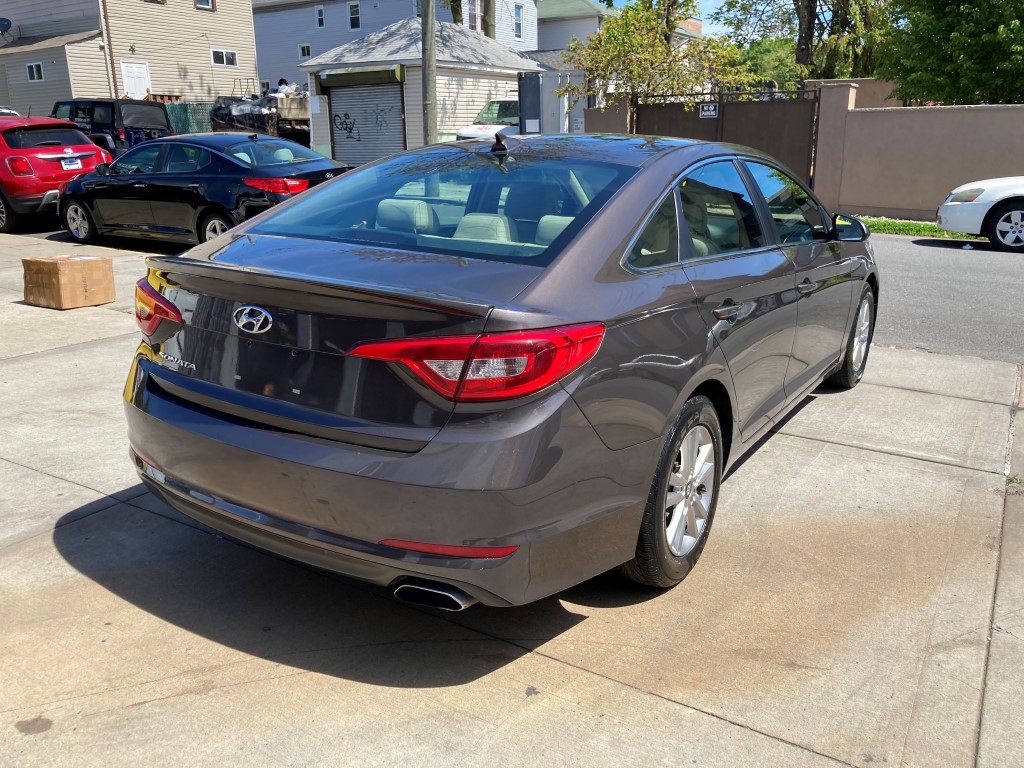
[(967, 195), (492, 366), (151, 308), (278, 186), (19, 166), (450, 550)]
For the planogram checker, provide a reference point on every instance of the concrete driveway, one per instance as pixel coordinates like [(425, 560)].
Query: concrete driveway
[(859, 602)]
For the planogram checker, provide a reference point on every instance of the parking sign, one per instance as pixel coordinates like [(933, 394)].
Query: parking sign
[(709, 110)]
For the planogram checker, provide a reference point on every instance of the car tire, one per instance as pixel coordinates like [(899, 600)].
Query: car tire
[(855, 357), (77, 221), (682, 501), (9, 218), (213, 225), (1004, 226)]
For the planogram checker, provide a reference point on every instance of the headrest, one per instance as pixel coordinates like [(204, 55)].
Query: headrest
[(486, 226)]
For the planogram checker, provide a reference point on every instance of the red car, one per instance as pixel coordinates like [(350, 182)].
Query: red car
[(37, 156)]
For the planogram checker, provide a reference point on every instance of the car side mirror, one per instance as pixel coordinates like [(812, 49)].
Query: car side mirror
[(103, 169), (849, 229)]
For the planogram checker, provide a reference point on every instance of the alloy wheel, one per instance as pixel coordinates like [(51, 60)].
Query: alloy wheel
[(77, 220), (863, 337), (1010, 229), (691, 491), (214, 228)]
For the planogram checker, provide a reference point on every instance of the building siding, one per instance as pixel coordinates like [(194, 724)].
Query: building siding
[(87, 67), (175, 39), (555, 35), (280, 31), (460, 97), (34, 18), (504, 24), (37, 98)]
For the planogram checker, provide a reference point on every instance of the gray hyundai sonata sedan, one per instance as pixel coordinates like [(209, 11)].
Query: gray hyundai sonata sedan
[(482, 372)]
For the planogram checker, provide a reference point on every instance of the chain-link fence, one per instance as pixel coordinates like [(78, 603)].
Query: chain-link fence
[(189, 116)]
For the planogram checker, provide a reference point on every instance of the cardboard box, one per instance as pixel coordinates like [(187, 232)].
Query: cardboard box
[(66, 282)]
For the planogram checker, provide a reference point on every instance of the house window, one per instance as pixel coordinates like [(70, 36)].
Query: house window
[(517, 22), (206, 5), (353, 15), (224, 58), (319, 16), (35, 72), (475, 22), (305, 50)]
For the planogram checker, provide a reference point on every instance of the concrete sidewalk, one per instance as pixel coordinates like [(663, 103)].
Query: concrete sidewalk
[(859, 601)]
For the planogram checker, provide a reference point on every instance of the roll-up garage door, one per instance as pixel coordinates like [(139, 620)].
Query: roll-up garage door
[(367, 122)]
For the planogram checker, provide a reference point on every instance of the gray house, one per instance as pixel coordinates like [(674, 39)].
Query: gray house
[(368, 98), (290, 33)]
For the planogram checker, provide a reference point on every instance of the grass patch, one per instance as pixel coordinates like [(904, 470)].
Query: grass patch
[(882, 226), (1014, 480)]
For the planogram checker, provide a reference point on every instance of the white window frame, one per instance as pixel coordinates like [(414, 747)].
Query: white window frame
[(518, 15), (205, 5), (305, 50), (358, 20), (475, 14), (321, 22), (30, 70), (224, 54)]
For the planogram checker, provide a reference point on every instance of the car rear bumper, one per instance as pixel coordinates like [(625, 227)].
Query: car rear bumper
[(539, 479), (44, 203)]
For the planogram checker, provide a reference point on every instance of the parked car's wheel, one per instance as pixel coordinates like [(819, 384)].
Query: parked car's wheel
[(855, 359), (77, 221), (1005, 226), (9, 218), (681, 504), (213, 225)]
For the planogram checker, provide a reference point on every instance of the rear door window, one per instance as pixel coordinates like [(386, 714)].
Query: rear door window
[(719, 211), (184, 158), (44, 136)]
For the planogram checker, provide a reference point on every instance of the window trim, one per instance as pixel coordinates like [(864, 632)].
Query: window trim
[(29, 71), (763, 209), (321, 19), (212, 7), (225, 53), (308, 48), (518, 10), (358, 18), (474, 10)]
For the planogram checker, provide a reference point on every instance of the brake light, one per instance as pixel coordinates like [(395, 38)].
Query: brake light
[(278, 186), (151, 308), (121, 135), (492, 366), (19, 166), (450, 550)]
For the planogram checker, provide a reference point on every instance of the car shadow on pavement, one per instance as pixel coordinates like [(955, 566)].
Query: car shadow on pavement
[(954, 245), (284, 612), (141, 244)]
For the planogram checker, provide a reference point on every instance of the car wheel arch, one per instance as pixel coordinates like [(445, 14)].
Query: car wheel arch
[(996, 204), (712, 384)]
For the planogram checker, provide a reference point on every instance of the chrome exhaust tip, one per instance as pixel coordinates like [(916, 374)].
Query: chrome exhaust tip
[(428, 594)]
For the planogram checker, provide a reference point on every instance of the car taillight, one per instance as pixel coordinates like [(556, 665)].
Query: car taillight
[(450, 550), (492, 366), (278, 186), (121, 135), (151, 308), (19, 166)]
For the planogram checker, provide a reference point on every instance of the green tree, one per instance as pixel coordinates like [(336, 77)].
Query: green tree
[(969, 52), (774, 60), (833, 38), (630, 62)]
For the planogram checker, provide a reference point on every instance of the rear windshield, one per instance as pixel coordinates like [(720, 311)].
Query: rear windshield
[(267, 151), (143, 116), (44, 136), (458, 201)]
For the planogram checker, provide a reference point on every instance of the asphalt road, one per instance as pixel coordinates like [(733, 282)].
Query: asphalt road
[(934, 294)]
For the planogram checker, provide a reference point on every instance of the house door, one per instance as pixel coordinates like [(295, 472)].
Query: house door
[(136, 78)]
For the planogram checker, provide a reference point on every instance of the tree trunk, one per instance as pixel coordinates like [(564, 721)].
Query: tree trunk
[(632, 108), (807, 16), (455, 6), (490, 16)]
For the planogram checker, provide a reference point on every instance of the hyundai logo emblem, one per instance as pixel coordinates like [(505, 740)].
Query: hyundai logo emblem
[(253, 319)]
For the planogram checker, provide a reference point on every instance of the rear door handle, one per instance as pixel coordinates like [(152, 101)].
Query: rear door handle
[(727, 309), (137, 186), (807, 287), (194, 186)]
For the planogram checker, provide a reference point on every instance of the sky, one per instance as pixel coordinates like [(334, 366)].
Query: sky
[(707, 7)]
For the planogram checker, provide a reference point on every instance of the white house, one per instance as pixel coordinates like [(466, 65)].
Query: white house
[(368, 97), (290, 33), (194, 49)]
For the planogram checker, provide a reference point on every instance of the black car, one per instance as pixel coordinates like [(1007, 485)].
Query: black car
[(190, 188), (116, 124)]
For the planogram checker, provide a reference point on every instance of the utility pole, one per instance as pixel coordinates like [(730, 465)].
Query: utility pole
[(490, 19), (429, 73)]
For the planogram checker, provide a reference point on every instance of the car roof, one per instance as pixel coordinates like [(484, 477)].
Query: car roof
[(219, 139), (10, 121)]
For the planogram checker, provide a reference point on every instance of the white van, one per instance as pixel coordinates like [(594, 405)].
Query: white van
[(499, 116)]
